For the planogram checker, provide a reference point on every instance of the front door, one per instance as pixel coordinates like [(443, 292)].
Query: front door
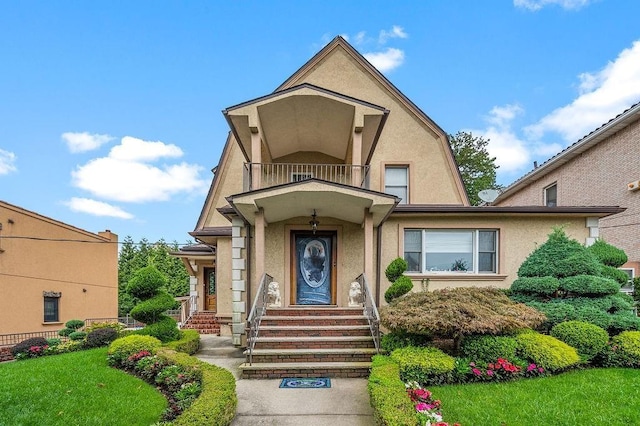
[(210, 289), (313, 272)]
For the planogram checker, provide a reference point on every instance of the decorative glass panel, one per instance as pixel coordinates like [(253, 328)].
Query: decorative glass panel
[(212, 283)]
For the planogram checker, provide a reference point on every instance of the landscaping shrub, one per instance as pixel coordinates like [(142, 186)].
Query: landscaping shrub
[(488, 348), (589, 285), (555, 312), (24, 346), (615, 274), (121, 349), (594, 316), (608, 254), (396, 339), (388, 394), (395, 269), (70, 327), (105, 324), (581, 262), (77, 335), (100, 337), (216, 405), (546, 351), (536, 285), (400, 287), (165, 330), (623, 321), (152, 310), (620, 302), (626, 348), (188, 343), (426, 365), (543, 261), (588, 339)]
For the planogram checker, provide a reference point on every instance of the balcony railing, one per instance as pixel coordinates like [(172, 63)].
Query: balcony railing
[(264, 175)]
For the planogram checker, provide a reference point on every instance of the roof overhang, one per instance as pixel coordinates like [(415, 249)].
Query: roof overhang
[(301, 199), (306, 118), (194, 252), (210, 235), (474, 211)]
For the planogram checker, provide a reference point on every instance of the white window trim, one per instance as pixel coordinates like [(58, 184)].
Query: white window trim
[(407, 170), (475, 254)]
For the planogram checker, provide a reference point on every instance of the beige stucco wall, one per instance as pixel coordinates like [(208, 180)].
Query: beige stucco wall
[(599, 177), (518, 237), (86, 273)]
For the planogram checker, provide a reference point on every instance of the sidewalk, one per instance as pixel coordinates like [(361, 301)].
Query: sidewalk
[(262, 402)]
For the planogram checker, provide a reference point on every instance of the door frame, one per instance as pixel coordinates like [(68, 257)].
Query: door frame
[(207, 283), (293, 263)]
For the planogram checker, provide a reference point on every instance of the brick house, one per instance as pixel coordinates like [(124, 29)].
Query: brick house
[(602, 168)]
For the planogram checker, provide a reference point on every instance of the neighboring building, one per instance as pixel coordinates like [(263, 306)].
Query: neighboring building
[(334, 175), (51, 272), (602, 168)]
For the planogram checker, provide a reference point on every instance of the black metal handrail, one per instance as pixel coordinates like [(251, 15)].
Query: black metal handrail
[(257, 311), (370, 310)]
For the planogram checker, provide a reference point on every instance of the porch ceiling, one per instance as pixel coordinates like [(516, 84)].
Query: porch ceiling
[(306, 118), (302, 198)]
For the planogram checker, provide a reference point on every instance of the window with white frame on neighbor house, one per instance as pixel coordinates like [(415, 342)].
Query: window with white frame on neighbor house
[(451, 250), (551, 195), (396, 182), (51, 309)]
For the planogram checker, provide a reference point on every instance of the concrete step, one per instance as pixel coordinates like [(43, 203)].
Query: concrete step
[(310, 342), (301, 369), (268, 320), (314, 311), (314, 330), (311, 355)]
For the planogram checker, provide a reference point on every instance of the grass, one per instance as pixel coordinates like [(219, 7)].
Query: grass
[(584, 397), (77, 388)]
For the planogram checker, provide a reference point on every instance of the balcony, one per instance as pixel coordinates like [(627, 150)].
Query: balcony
[(261, 175)]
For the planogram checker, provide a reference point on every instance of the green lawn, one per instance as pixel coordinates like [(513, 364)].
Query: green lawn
[(585, 397), (77, 388)]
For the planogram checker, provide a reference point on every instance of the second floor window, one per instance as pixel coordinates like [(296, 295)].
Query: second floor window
[(551, 195), (396, 182)]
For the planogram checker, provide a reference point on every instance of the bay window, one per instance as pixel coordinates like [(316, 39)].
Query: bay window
[(451, 250)]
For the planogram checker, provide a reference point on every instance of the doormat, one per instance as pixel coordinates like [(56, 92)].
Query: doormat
[(306, 383)]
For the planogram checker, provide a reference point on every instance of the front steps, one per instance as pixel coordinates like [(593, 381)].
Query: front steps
[(311, 342), (205, 322)]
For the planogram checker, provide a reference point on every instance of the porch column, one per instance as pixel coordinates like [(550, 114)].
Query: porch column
[(256, 159), (368, 244), (356, 157), (238, 285), (259, 247)]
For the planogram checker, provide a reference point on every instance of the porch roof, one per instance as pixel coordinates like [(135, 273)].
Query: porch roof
[(327, 199)]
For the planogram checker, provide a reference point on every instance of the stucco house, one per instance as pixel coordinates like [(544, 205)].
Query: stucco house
[(51, 272), (602, 168), (321, 184)]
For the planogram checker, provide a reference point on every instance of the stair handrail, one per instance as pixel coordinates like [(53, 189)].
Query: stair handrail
[(370, 310), (188, 307), (257, 311)]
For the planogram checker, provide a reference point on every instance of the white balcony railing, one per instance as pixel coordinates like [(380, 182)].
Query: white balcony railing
[(264, 175)]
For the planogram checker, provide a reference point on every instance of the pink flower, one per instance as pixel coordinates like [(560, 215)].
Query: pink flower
[(476, 372), (472, 364), (531, 367), (541, 370), (489, 373), (422, 407)]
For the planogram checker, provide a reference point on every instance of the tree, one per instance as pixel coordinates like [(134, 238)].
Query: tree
[(477, 167)]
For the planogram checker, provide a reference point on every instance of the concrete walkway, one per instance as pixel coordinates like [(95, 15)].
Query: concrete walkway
[(262, 402)]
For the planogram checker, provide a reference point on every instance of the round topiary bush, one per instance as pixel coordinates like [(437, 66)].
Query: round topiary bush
[(122, 348), (626, 349), (165, 330), (587, 338), (395, 269), (77, 335), (546, 351), (71, 326), (101, 337), (487, 348), (608, 254), (400, 287)]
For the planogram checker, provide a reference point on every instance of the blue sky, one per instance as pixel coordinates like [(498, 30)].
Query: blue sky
[(110, 110)]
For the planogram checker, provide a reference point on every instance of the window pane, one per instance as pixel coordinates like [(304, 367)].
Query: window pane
[(551, 196), (487, 241), (486, 262), (400, 192), (413, 260), (413, 240), (50, 309), (449, 251), (395, 176)]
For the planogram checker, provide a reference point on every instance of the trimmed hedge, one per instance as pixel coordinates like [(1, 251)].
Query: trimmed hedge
[(152, 310), (400, 287), (426, 365), (165, 330), (588, 339), (594, 316), (546, 351), (388, 394), (626, 347), (217, 403), (589, 285), (145, 282), (608, 254), (189, 342), (397, 339), (100, 337), (488, 348), (536, 285), (122, 348)]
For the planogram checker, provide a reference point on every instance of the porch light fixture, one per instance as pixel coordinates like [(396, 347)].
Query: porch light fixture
[(314, 222)]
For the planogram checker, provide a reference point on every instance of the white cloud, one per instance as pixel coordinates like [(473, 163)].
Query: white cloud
[(81, 142), (7, 162), (387, 60), (395, 32), (125, 175), (535, 5), (96, 208), (602, 96)]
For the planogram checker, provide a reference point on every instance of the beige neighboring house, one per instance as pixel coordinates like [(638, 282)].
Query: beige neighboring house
[(602, 168), (51, 272), (325, 181)]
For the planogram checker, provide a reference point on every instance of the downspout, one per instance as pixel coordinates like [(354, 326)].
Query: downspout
[(378, 262)]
